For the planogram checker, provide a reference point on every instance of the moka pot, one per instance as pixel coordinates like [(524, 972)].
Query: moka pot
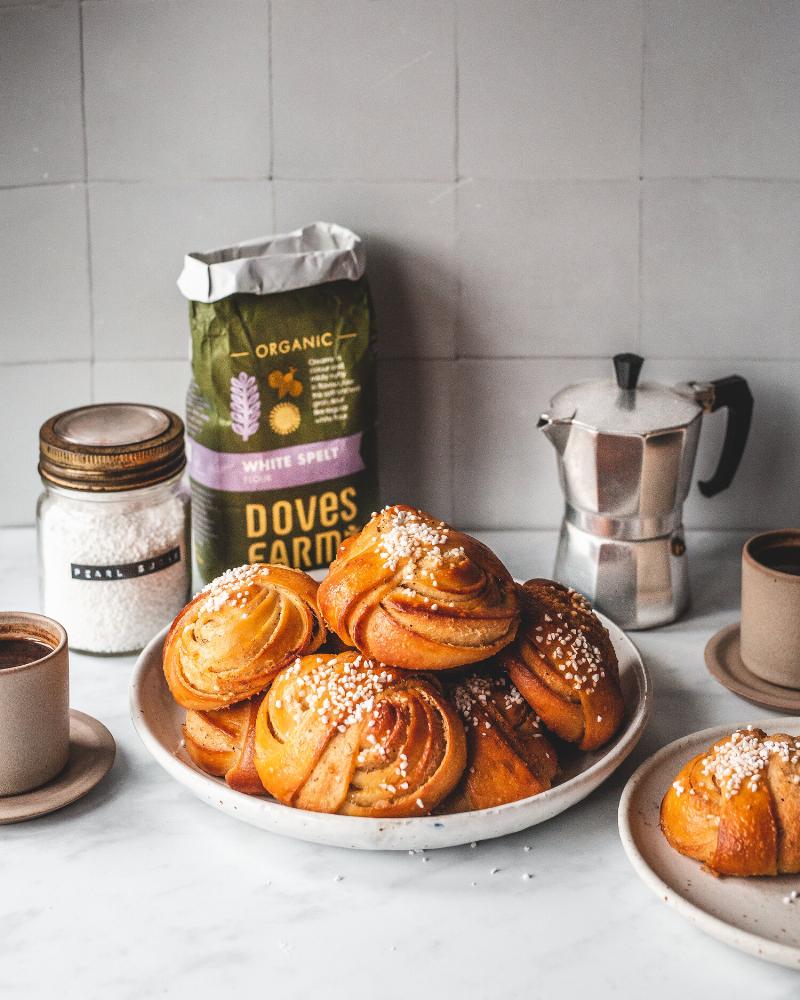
[(626, 453)]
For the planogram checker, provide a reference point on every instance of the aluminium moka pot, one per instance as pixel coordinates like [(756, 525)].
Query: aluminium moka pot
[(626, 453)]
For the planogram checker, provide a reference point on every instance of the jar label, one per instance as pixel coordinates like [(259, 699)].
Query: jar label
[(127, 571)]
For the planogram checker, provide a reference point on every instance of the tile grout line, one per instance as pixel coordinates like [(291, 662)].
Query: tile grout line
[(569, 358), (451, 382), (271, 117), (640, 191), (259, 179), (87, 208), (405, 359), (456, 98), (27, 5), (30, 185)]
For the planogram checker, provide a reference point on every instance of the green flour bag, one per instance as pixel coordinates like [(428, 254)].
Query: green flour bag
[(281, 409)]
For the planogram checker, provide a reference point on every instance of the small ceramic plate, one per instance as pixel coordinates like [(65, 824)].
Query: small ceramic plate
[(748, 913), (724, 662), (158, 721), (91, 754)]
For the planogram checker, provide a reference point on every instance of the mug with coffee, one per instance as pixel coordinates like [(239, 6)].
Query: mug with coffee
[(770, 629), (34, 701)]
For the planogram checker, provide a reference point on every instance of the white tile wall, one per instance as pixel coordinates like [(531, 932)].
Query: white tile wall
[(409, 232), (548, 268), (720, 88), (549, 89), (40, 111), (140, 233), (504, 468), (162, 383), (364, 90), (415, 463), (177, 88), (30, 394), (44, 274), (720, 268), (539, 184)]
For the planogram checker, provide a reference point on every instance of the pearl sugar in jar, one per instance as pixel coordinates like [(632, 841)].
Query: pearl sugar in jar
[(113, 524)]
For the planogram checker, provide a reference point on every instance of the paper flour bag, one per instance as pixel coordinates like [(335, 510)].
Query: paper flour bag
[(282, 404)]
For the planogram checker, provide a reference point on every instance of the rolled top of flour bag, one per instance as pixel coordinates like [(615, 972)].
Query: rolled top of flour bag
[(281, 407), (312, 255)]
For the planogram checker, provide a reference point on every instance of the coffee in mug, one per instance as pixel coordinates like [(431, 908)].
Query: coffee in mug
[(16, 652), (34, 701)]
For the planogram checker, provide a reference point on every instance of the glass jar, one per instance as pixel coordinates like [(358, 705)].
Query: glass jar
[(113, 524)]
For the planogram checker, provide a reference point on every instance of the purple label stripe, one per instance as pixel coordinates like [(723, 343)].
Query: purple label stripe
[(275, 470)]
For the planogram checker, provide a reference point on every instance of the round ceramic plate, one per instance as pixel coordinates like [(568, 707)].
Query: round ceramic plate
[(748, 913), (91, 754), (158, 721), (724, 662)]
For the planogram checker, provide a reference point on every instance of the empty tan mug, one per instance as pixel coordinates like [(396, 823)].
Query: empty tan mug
[(770, 630), (34, 701)]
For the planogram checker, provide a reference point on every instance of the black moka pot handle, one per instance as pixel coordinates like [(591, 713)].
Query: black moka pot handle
[(732, 393)]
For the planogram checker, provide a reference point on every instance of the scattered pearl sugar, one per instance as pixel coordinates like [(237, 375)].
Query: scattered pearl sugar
[(114, 615), (476, 691), (743, 758), (408, 536)]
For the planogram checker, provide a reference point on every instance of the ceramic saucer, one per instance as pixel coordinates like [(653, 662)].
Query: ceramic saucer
[(91, 754), (750, 914), (724, 662)]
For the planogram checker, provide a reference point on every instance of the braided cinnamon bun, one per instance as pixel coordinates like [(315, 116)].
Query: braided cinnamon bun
[(222, 743), (736, 807), (508, 755), (238, 633), (341, 734), (411, 591), (565, 666)]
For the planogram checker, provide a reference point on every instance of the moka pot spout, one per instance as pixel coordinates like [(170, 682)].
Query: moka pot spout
[(557, 430)]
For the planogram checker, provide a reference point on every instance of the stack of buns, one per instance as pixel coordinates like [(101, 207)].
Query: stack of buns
[(417, 678)]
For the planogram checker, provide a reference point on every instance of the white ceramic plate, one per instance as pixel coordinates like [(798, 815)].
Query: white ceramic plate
[(747, 913), (158, 721)]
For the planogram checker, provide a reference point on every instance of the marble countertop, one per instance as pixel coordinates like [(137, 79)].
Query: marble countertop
[(140, 890)]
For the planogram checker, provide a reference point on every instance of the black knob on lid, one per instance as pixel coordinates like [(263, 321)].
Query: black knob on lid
[(627, 368)]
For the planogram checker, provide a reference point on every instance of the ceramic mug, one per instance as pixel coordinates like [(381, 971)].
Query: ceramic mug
[(34, 701), (770, 630)]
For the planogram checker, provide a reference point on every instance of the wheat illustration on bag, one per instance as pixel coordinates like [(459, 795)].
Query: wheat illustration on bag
[(245, 405)]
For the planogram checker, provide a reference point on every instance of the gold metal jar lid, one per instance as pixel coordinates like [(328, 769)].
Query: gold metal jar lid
[(111, 447)]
